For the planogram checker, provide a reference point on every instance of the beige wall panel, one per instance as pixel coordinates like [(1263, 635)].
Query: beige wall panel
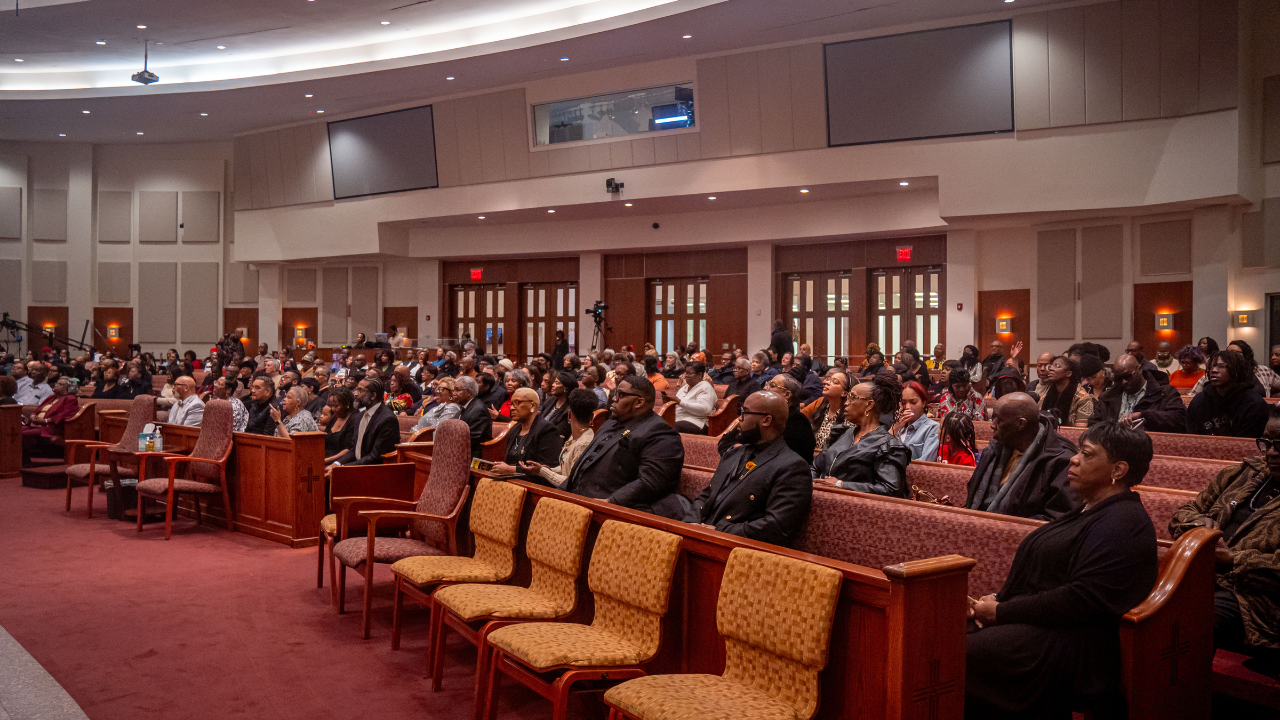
[(364, 301), (333, 306), (243, 174), (1102, 281), (580, 159), (1271, 119), (115, 216), (808, 97), (49, 216), (258, 169), (49, 281), (1219, 55), (115, 286), (642, 151), (306, 151), (775, 100), (561, 160), (1271, 231), (275, 168), (1055, 289), (201, 213), (1103, 63), (1179, 57), (1141, 62), (11, 287), (291, 160), (620, 155), (600, 156), (157, 216), (539, 164), (447, 171), (1252, 240), (242, 283), (10, 213), (300, 285), (1030, 72), (493, 164), (320, 158), (157, 320), (743, 74), (515, 134), (1064, 30), (687, 147), (200, 305), (470, 164), (712, 108), (665, 150), (1165, 247)]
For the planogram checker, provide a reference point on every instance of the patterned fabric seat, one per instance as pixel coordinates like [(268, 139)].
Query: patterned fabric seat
[(329, 524), (353, 552), (775, 615), (424, 571), (80, 471), (700, 451), (471, 602), (142, 410), (160, 486), (546, 645), (206, 466)]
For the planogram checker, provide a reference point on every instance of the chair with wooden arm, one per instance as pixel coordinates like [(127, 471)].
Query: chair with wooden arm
[(356, 487), (433, 518), (495, 450), (668, 412), (119, 457), (206, 465), (419, 438), (598, 418), (726, 412)]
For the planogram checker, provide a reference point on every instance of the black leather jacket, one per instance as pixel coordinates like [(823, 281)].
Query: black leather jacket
[(877, 464)]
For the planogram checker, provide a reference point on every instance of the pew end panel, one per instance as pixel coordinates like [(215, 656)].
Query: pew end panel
[(10, 441)]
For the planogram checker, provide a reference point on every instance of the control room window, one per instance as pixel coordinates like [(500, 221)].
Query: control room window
[(614, 115)]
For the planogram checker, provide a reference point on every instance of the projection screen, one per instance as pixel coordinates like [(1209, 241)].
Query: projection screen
[(383, 153)]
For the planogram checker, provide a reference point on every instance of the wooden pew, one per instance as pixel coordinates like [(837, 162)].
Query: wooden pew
[(1206, 447), (10, 441)]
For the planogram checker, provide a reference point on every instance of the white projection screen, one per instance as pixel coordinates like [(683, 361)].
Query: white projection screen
[(934, 83), (390, 152)]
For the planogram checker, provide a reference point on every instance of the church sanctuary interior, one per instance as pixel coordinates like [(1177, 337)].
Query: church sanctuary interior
[(640, 359)]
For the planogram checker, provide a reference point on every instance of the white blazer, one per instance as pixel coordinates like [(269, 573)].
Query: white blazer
[(189, 412), (696, 403)]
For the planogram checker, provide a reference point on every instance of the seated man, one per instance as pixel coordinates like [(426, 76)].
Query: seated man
[(635, 459), (258, 406), (35, 390), (723, 373), (44, 428), (189, 408), (1231, 403), (1135, 399), (377, 429), (761, 489), (798, 431), (473, 412), (1242, 503), (1023, 471), (741, 384), (810, 384)]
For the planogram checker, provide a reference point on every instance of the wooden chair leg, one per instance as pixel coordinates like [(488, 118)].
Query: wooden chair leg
[(395, 615), (439, 636), (333, 570), (488, 710), (560, 705), (342, 588), (68, 493), (168, 515), (368, 597), (320, 561), (228, 509), (199, 520), (141, 509), (93, 483)]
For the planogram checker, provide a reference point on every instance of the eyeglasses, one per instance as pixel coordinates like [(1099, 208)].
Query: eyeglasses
[(744, 411), (1265, 444), (629, 394)]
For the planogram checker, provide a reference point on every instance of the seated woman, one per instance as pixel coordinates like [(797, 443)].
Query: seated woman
[(867, 457), (874, 366), (515, 380), (532, 439), (828, 418), (1189, 371), (43, 429), (222, 389), (961, 397), (696, 400), (443, 408), (1048, 642), (292, 415), (1061, 396), (339, 426), (957, 443), (913, 427), (660, 383), (582, 407), (1243, 501), (556, 405)]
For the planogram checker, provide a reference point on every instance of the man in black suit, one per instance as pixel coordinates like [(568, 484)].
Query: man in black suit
[(761, 489), (635, 459), (474, 412), (258, 406), (378, 430)]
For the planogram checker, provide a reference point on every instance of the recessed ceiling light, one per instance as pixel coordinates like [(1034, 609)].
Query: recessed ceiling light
[(142, 27), (86, 112), (804, 191), (204, 114), (320, 111), (449, 78), (686, 37), (481, 217), (628, 204), (222, 47), (386, 22), (307, 95), (551, 211), (100, 42), (711, 197), (904, 182), (139, 133), (564, 59), (18, 60), (62, 134)]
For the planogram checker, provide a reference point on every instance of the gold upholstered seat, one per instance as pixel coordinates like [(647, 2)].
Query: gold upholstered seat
[(630, 578), (775, 615)]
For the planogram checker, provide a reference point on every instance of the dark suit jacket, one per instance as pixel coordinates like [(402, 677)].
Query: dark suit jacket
[(798, 434), (635, 465), (1161, 407), (543, 444), (476, 415), (768, 503), (380, 437), (741, 389)]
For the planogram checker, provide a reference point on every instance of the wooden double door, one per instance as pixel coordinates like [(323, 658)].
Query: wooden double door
[(678, 313)]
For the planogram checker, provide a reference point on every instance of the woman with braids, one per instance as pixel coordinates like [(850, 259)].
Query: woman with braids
[(957, 443), (1231, 403), (867, 457), (828, 418), (1063, 397)]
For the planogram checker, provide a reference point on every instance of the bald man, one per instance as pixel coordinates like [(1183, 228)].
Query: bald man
[(762, 488), (1023, 471), (1136, 399), (189, 409)]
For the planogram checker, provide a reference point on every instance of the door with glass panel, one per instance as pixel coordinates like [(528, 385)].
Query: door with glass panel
[(818, 312), (907, 304), (544, 309), (678, 313), (479, 315)]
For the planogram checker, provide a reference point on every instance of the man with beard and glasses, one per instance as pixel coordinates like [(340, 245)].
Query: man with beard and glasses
[(377, 429), (762, 489)]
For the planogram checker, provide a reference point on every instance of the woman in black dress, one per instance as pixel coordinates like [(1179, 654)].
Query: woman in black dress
[(340, 432), (867, 457), (557, 405), (1048, 643)]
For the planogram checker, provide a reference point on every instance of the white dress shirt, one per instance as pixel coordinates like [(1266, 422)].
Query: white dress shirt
[(29, 393)]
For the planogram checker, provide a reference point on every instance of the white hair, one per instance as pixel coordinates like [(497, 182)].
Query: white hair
[(467, 383), (299, 395), (742, 363)]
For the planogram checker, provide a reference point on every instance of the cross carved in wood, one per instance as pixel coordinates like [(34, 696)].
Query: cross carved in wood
[(308, 479), (933, 692), (1175, 650)]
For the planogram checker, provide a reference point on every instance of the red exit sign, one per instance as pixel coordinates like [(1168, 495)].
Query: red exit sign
[(904, 254), (478, 273)]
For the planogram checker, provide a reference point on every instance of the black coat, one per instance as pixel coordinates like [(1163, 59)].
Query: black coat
[(476, 416), (380, 437), (1239, 412), (558, 417), (635, 465), (810, 386), (741, 388), (1045, 495), (798, 434), (768, 502), (542, 444), (877, 464), (259, 417), (1161, 407), (780, 344), (1055, 640)]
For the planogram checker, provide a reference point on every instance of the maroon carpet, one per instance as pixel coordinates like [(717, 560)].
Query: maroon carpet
[(210, 624)]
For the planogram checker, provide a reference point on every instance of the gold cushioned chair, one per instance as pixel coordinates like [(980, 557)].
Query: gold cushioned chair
[(557, 533), (630, 579), (775, 615), (495, 528)]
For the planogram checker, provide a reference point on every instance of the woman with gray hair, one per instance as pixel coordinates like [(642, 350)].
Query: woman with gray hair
[(295, 416), (514, 380)]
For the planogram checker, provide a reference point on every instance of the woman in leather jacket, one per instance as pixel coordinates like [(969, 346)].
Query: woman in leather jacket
[(867, 458)]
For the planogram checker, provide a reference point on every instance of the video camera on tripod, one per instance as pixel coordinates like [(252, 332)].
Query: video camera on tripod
[(597, 316)]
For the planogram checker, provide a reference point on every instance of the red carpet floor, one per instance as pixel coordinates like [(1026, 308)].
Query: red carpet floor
[(210, 624)]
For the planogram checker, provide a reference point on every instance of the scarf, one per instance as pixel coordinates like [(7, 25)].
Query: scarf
[(991, 496)]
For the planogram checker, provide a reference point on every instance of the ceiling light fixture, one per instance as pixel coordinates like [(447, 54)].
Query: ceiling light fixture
[(551, 211), (564, 59), (222, 47), (386, 22), (139, 133), (321, 112), (904, 182), (204, 114), (142, 27), (711, 197), (86, 112), (686, 37), (307, 95), (803, 190), (628, 204), (18, 60), (449, 78), (481, 217), (62, 134), (100, 42)]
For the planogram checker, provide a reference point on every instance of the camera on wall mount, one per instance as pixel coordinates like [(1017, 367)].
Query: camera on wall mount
[(612, 186)]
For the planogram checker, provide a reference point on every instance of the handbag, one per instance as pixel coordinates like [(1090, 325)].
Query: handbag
[(919, 494)]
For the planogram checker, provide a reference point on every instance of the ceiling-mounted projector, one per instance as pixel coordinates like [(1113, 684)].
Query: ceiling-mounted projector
[(145, 76)]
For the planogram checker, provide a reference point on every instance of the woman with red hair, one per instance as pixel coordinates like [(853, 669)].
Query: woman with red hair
[(912, 424)]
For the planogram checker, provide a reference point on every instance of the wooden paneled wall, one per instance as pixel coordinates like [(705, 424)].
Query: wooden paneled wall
[(292, 317), (1164, 297), (40, 315), (122, 318), (404, 318), (246, 318), (626, 281), (1128, 60), (283, 167), (994, 304)]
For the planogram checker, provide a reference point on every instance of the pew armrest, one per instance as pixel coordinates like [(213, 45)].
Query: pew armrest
[(1175, 568)]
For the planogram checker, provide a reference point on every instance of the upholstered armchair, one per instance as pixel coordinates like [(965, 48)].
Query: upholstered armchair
[(206, 466), (380, 486), (117, 460)]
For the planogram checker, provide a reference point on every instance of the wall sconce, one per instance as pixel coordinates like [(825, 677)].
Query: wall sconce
[(1164, 321), (1244, 318), (300, 333), (113, 333), (1004, 326)]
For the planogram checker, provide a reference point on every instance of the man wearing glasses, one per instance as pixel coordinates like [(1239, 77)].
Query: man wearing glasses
[(762, 488), (797, 432), (635, 459), (1136, 400)]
